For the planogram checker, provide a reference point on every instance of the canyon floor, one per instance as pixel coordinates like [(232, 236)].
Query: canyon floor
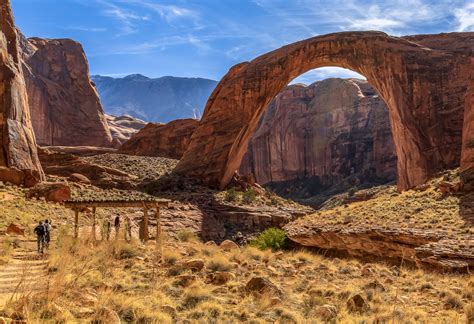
[(197, 280)]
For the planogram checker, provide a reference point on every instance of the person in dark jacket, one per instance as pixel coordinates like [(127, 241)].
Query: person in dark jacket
[(40, 232), (47, 233), (117, 226)]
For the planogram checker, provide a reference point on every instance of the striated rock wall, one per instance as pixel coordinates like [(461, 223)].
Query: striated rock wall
[(122, 128), (18, 156), (331, 130), (65, 107), (422, 79), (165, 140)]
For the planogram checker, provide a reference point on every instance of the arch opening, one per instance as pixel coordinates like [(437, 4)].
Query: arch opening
[(416, 83), (326, 132)]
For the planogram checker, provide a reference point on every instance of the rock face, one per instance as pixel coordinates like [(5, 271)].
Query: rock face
[(165, 140), (155, 100), (422, 79), (65, 107), (17, 141), (329, 130), (123, 127), (467, 159)]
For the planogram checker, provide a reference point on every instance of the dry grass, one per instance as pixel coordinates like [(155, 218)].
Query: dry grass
[(90, 282)]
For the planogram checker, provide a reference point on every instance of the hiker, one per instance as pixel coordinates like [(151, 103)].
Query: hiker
[(47, 233), (40, 231), (117, 226)]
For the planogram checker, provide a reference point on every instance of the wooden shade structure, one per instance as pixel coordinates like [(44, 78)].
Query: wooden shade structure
[(145, 203)]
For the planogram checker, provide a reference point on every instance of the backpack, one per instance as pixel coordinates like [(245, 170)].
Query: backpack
[(40, 230)]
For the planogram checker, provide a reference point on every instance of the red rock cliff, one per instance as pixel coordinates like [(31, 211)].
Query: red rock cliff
[(331, 129), (18, 156), (166, 140), (65, 107)]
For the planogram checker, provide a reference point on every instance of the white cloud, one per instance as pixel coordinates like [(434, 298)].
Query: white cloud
[(324, 73), (87, 29), (465, 18)]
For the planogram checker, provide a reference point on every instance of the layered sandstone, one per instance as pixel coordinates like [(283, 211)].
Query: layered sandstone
[(329, 131), (165, 140), (18, 157), (65, 107), (122, 128), (422, 79)]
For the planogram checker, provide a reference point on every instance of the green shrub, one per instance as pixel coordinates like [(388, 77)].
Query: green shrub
[(352, 191), (249, 196), (231, 195), (272, 238)]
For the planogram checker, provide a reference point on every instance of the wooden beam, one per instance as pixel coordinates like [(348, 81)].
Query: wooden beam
[(101, 204), (159, 235), (76, 223), (93, 224), (145, 224)]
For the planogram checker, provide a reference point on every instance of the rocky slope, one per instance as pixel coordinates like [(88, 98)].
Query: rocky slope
[(165, 140), (65, 107), (123, 127), (156, 100), (328, 131), (19, 162)]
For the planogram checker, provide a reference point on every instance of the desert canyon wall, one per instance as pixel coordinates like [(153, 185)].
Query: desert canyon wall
[(65, 107), (18, 156), (422, 79), (331, 129)]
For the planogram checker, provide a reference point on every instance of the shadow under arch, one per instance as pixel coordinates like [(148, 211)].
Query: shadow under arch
[(423, 88)]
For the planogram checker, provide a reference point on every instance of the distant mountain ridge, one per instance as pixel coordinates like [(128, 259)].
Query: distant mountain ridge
[(154, 99)]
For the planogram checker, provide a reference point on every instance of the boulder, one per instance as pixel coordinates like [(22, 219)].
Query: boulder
[(12, 175), (357, 303), (228, 245), (194, 265), (15, 229), (221, 277), (77, 177), (53, 192), (262, 285)]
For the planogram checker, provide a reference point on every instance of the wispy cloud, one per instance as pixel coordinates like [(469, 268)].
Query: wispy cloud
[(324, 73), (167, 12), (465, 17), (127, 17), (87, 29)]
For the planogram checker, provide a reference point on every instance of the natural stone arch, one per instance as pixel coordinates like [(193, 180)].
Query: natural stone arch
[(423, 80)]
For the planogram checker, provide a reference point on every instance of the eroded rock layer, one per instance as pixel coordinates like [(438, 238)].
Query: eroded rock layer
[(330, 130), (18, 157), (65, 107), (165, 140), (422, 79), (123, 127)]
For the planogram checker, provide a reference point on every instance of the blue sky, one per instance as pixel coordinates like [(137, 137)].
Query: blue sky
[(205, 38)]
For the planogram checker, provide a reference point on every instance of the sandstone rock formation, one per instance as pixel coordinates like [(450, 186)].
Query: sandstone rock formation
[(422, 79), (18, 154), (65, 107), (123, 127), (165, 140), (329, 130), (467, 159)]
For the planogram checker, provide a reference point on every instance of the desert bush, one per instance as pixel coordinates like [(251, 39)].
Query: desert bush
[(272, 238), (125, 251), (186, 236), (170, 257), (219, 262), (249, 196), (194, 295), (231, 195)]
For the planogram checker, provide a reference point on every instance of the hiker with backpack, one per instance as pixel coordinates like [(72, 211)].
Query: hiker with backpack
[(40, 233), (47, 234)]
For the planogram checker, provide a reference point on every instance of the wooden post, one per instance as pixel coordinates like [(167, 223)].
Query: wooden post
[(76, 223), (145, 224), (93, 224), (158, 231)]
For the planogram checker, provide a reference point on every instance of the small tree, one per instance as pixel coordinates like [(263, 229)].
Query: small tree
[(249, 196), (272, 238), (231, 195)]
